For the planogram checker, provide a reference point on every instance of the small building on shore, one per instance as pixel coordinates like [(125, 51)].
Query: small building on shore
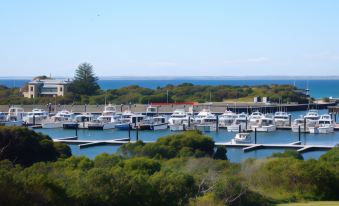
[(46, 87)]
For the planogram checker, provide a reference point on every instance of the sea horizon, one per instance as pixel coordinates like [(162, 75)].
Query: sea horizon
[(245, 77)]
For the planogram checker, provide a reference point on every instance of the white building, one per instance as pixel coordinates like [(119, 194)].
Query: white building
[(47, 87)]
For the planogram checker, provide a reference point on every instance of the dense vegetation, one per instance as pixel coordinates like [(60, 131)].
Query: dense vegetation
[(23, 146), (176, 170), (181, 93)]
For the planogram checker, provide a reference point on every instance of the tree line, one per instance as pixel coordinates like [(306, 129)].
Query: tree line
[(85, 89), (179, 169)]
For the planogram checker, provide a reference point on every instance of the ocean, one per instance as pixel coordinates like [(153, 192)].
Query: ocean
[(318, 88)]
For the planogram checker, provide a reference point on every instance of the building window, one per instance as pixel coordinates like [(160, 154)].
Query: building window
[(31, 95), (31, 89), (60, 89)]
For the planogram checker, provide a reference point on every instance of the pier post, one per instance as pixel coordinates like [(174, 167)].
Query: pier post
[(299, 133), (137, 130), (335, 117), (183, 127), (189, 121), (290, 120), (305, 125), (129, 132), (217, 124), (246, 124), (33, 119), (76, 130), (255, 135), (239, 128)]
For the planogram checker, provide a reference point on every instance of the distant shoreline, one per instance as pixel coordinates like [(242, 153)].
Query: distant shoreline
[(190, 77)]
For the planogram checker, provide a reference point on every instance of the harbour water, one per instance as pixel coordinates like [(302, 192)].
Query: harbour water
[(234, 154), (318, 88)]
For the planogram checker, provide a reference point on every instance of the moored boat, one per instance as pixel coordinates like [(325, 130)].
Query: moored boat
[(324, 125), (180, 120), (242, 138), (239, 124), (227, 118), (205, 121)]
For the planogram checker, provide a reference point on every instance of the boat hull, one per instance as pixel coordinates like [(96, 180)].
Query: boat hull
[(295, 128), (70, 126), (122, 126), (270, 128), (52, 125), (12, 123), (321, 130), (206, 128)]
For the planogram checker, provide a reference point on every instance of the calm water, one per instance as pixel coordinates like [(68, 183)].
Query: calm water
[(318, 88), (235, 155)]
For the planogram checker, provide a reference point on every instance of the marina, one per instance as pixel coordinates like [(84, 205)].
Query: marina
[(305, 131)]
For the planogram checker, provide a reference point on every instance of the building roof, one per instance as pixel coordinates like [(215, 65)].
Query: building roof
[(50, 81)]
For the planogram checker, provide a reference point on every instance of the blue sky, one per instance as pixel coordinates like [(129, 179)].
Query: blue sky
[(174, 37)]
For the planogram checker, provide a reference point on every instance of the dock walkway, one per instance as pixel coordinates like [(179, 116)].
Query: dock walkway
[(246, 147), (294, 145)]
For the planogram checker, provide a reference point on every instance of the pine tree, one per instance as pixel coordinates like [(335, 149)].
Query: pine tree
[(85, 81)]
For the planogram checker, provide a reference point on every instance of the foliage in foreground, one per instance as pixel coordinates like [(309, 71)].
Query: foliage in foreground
[(142, 175), (23, 146)]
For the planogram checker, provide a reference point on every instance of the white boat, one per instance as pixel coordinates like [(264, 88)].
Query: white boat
[(205, 121), (262, 123), (83, 120), (134, 121), (4, 122), (107, 120), (15, 116), (239, 123), (154, 123), (282, 119), (151, 110), (324, 125), (306, 122), (299, 122), (227, 118), (242, 138), (180, 120), (58, 120), (109, 110), (104, 122), (37, 116), (311, 118), (255, 119)]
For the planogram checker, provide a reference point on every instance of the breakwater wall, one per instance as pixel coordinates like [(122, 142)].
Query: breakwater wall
[(216, 107)]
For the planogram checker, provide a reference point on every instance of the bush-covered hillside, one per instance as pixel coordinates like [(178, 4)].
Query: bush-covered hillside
[(176, 170), (185, 92)]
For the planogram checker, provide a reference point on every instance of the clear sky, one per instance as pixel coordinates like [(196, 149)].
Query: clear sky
[(173, 37)]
